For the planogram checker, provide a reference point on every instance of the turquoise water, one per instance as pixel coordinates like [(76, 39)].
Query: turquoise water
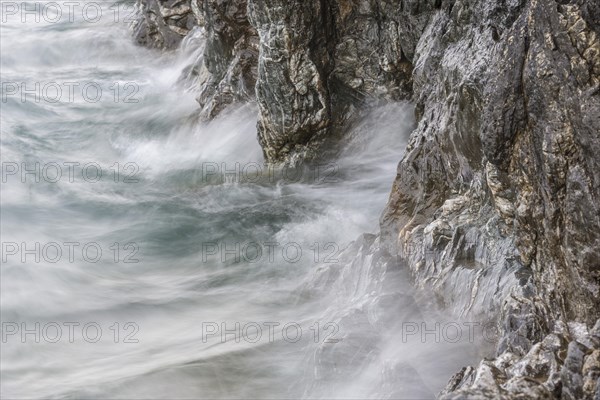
[(162, 252)]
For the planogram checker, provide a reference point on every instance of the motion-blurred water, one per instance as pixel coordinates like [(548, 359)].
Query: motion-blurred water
[(161, 252)]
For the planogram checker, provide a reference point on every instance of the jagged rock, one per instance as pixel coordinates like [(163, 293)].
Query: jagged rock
[(317, 63), (320, 61), (163, 23), (507, 96), (560, 366), (374, 46), (293, 63), (226, 70), (230, 55)]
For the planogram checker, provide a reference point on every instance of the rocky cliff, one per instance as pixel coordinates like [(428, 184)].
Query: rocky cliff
[(500, 183)]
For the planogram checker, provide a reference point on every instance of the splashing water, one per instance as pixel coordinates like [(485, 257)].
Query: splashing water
[(170, 262)]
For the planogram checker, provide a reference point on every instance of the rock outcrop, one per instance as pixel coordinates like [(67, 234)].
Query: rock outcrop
[(230, 55), (496, 205), (310, 66), (164, 23), (565, 364), (499, 182), (291, 88)]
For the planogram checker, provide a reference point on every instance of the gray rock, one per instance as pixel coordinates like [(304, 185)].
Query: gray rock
[(559, 366), (321, 61), (230, 55), (507, 96), (163, 23), (294, 61), (226, 70)]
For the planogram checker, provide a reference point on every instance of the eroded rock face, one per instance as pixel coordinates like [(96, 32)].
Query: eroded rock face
[(309, 65), (226, 71), (565, 365), (163, 23), (375, 43), (320, 61), (230, 55), (499, 183), (509, 121), (496, 205), (293, 65)]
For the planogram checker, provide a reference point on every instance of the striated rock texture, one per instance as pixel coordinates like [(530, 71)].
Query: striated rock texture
[(309, 65), (226, 70), (500, 184), (565, 364), (163, 23), (230, 55), (321, 61), (291, 89), (496, 205)]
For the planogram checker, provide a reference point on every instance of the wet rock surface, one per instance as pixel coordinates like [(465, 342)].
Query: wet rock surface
[(293, 64), (226, 69), (323, 62), (230, 55), (500, 183), (163, 23), (564, 364), (311, 66)]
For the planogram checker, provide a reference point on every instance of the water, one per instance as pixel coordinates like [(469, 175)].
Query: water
[(175, 251)]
